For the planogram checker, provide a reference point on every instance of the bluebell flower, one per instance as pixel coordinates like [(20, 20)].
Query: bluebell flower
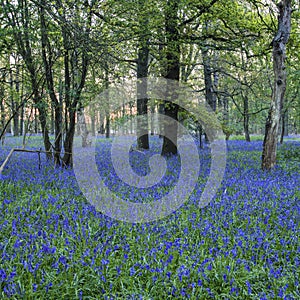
[(2, 275)]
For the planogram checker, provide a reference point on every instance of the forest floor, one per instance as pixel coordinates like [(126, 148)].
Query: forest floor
[(243, 245)]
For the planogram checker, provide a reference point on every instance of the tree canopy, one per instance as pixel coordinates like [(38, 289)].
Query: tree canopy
[(56, 56)]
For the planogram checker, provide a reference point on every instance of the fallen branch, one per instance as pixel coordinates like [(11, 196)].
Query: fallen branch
[(21, 150), (24, 150)]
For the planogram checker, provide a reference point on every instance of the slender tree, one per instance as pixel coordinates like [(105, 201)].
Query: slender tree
[(18, 16)]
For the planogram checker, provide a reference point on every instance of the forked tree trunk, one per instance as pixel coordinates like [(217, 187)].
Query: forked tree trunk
[(279, 55), (56, 107)]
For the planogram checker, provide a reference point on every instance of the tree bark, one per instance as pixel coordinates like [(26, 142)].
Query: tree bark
[(55, 105), (86, 141), (208, 80), (142, 72), (284, 125), (14, 105), (2, 112), (172, 72), (210, 77), (107, 112), (152, 112), (279, 55), (68, 143), (20, 25), (246, 118)]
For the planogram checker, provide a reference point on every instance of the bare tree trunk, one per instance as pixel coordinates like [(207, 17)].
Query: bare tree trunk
[(161, 110), (14, 104), (93, 120), (2, 112), (22, 107), (23, 40), (142, 72), (172, 72), (36, 121), (246, 118), (52, 120), (284, 125), (152, 112), (225, 110), (210, 77), (68, 143), (56, 117), (131, 116), (107, 126), (22, 121), (210, 95), (73, 102), (107, 112), (279, 55), (86, 141)]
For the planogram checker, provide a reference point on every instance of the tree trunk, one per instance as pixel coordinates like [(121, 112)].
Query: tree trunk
[(14, 105), (107, 126), (93, 119), (172, 72), (72, 97), (107, 112), (142, 110), (210, 95), (2, 112), (284, 125), (200, 133), (152, 112), (22, 108), (58, 134), (279, 55), (225, 110), (23, 39), (43, 121), (93, 125), (131, 116), (246, 118), (52, 124), (142, 72), (36, 120), (86, 141), (68, 143), (161, 110), (56, 114)]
